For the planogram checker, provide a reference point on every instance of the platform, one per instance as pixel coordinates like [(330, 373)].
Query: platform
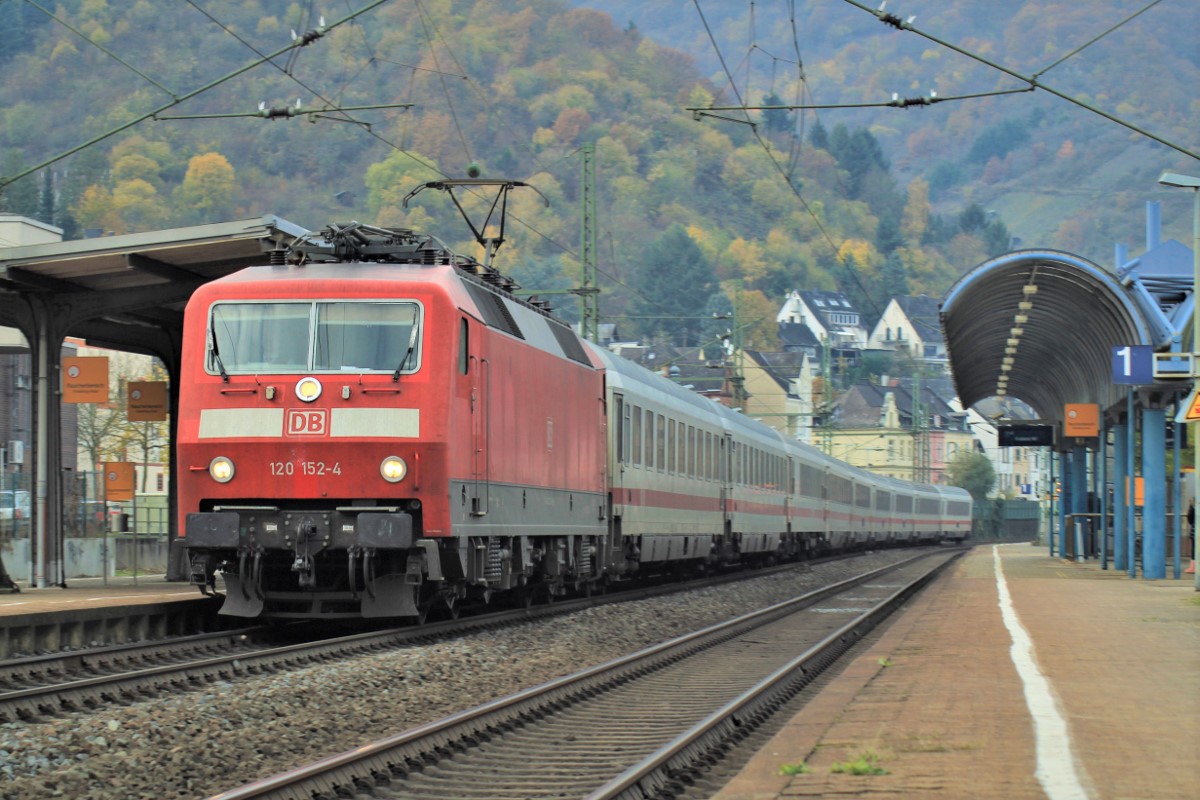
[(89, 612), (94, 592), (1106, 703)]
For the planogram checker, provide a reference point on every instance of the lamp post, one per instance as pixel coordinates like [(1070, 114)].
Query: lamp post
[(1188, 182)]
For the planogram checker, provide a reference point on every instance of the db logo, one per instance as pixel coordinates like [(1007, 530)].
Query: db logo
[(307, 422)]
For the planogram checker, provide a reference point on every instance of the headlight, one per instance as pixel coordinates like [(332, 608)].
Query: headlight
[(393, 469), (308, 389), (221, 469)]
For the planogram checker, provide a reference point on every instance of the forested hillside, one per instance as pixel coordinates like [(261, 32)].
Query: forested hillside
[(165, 96), (1059, 175)]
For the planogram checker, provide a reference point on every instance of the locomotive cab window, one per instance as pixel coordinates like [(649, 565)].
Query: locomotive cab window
[(334, 336)]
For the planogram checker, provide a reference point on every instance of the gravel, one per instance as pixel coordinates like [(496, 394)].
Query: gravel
[(199, 743)]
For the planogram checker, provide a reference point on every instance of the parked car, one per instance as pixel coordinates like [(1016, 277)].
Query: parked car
[(15, 511)]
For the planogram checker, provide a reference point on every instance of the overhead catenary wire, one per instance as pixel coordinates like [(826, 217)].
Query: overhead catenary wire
[(563, 248), (8, 179), (779, 167), (897, 22)]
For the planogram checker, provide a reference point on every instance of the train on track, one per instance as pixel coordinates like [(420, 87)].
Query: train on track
[(375, 426)]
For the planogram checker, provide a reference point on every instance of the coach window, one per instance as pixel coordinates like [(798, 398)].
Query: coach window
[(661, 434), (671, 446), (637, 436), (691, 451), (682, 449), (649, 439)]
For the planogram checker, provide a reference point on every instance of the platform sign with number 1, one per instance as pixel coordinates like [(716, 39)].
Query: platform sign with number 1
[(1133, 364)]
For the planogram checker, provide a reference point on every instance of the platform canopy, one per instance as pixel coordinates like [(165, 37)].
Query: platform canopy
[(110, 290), (1055, 315)]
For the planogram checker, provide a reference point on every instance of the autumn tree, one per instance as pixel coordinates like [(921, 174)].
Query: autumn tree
[(208, 191)]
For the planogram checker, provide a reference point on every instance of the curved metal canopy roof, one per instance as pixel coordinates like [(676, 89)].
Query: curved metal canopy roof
[(1055, 315)]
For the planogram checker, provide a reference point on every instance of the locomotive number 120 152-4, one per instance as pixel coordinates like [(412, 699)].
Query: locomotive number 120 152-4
[(287, 468)]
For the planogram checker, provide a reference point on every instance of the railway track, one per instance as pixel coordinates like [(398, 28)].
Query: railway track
[(626, 729), (49, 685)]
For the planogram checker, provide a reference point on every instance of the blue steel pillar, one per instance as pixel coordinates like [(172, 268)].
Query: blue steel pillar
[(1120, 499), (1177, 499), (1053, 506), (1131, 499), (1102, 493), (1079, 494), (1064, 501), (1154, 512)]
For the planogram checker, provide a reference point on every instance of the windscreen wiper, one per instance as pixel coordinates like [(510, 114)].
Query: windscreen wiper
[(412, 344), (212, 337)]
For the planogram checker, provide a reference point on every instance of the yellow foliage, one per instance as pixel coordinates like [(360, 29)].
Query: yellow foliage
[(859, 251), (705, 241), (700, 97), (747, 259), (65, 47), (135, 166), (755, 316), (543, 138), (93, 205)]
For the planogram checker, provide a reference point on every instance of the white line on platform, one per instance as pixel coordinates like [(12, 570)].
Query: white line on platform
[(1057, 770)]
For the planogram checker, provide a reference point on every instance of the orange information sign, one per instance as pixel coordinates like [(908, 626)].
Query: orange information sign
[(118, 480), (146, 401), (1193, 412), (1081, 420), (85, 379), (1139, 490)]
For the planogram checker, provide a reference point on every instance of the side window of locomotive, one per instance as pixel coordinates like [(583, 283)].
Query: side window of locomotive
[(464, 349), (258, 337), (366, 337)]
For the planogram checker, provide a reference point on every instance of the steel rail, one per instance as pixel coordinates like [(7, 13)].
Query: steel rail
[(654, 774), (49, 699), (352, 768)]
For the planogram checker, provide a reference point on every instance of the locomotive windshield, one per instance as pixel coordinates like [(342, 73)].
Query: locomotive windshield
[(332, 336)]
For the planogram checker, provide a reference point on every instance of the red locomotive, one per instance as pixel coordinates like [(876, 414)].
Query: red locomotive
[(377, 427)]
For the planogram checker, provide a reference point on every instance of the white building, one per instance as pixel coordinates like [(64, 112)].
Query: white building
[(910, 325), (829, 315)]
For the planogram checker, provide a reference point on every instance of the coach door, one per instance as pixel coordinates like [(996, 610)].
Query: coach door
[(727, 479), (789, 493), (618, 453), (481, 422)]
